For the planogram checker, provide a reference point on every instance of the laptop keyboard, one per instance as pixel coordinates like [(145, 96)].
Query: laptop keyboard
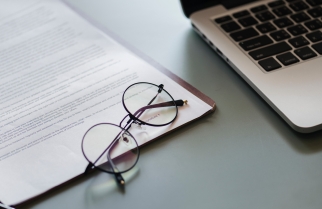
[(277, 34)]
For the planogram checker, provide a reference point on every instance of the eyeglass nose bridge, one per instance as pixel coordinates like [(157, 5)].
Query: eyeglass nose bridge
[(134, 119), (131, 119)]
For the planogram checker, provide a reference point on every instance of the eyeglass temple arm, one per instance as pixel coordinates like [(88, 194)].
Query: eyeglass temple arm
[(164, 104), (178, 103), (118, 176)]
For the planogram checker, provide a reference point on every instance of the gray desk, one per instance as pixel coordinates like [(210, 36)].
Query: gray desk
[(242, 156)]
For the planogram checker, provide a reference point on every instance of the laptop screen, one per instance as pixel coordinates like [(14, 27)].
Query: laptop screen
[(190, 6), (233, 3)]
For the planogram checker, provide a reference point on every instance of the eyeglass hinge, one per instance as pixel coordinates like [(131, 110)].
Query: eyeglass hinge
[(160, 88)]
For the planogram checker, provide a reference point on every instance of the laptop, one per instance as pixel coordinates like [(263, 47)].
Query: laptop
[(276, 46)]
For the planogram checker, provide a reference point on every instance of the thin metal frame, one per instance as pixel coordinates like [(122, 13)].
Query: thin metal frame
[(127, 126)]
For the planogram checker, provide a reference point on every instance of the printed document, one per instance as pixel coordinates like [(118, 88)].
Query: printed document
[(59, 75)]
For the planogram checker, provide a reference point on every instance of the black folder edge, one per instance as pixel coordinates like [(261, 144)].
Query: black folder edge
[(150, 61)]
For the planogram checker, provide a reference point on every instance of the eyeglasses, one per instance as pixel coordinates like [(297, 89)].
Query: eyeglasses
[(112, 148)]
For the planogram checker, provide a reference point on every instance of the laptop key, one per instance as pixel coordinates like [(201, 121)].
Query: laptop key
[(297, 30), (244, 34), (266, 27), (287, 59), (305, 53), (259, 8), (247, 21), (265, 16), (318, 47), (230, 26), (314, 3), (269, 64), (315, 36), (283, 22), (314, 24), (241, 14), (280, 35), (269, 51), (282, 11), (298, 42), (223, 19), (300, 17), (255, 43), (299, 6), (276, 4), (315, 12)]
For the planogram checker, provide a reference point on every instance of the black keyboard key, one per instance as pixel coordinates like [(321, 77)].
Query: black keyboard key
[(276, 4), (247, 21), (287, 59), (315, 12), (300, 17), (305, 53), (297, 30), (314, 24), (269, 64), (230, 26), (241, 14), (298, 42), (259, 8), (223, 19), (280, 35), (266, 27), (299, 6), (244, 34), (283, 22), (270, 50), (265, 16), (315, 36), (255, 43), (282, 11), (291, 0), (318, 47), (314, 3)]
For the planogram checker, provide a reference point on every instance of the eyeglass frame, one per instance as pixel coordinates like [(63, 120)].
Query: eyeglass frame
[(133, 119)]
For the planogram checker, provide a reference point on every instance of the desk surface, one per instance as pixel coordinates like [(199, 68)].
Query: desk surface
[(242, 156)]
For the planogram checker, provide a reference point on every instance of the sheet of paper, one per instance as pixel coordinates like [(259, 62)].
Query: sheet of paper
[(59, 76)]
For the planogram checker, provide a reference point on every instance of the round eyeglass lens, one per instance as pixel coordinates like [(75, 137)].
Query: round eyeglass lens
[(150, 104), (110, 148)]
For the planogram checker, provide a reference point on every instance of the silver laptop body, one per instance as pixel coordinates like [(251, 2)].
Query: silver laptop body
[(278, 63)]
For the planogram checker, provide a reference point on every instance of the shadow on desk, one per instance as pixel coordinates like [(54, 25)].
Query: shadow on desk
[(99, 186)]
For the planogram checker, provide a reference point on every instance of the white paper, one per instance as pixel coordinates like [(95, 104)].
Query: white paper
[(59, 76)]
